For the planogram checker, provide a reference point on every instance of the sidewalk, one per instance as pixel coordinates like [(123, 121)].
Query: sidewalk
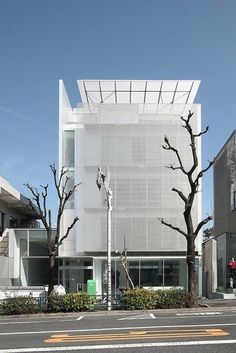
[(217, 302)]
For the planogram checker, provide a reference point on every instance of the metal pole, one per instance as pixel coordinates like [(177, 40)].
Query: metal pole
[(104, 180), (109, 209)]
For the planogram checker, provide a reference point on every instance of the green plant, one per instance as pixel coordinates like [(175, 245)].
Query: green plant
[(138, 299), (18, 305), (173, 298), (220, 289), (70, 302)]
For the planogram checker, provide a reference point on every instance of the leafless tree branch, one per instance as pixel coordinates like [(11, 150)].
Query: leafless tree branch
[(181, 195), (203, 171), (172, 227), (76, 219), (171, 166), (202, 132), (169, 147), (201, 224)]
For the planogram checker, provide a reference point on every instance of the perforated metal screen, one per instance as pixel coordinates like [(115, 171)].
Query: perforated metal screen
[(128, 139)]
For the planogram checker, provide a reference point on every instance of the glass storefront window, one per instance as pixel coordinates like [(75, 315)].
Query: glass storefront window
[(226, 250), (151, 273), (74, 273), (175, 273), (134, 271), (36, 271)]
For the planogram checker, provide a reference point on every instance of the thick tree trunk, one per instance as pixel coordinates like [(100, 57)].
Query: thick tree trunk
[(192, 285)]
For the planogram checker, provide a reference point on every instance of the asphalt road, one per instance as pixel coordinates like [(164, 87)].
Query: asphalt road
[(201, 330)]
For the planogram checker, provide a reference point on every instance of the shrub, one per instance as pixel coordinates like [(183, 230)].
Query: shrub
[(138, 299), (173, 298), (18, 305), (70, 302)]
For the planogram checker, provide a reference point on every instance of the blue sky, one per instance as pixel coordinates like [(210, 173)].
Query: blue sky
[(43, 41)]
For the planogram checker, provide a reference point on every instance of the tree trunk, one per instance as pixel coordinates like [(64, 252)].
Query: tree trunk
[(51, 274), (131, 283), (192, 285)]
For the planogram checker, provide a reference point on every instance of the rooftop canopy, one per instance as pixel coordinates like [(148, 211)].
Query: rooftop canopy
[(14, 199), (138, 91)]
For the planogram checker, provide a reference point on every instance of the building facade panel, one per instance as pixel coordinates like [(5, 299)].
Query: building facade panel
[(225, 188)]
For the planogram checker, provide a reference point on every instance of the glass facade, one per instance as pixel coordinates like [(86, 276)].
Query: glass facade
[(151, 273), (226, 251), (74, 273), (33, 258)]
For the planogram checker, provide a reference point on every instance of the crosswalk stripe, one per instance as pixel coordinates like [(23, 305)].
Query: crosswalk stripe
[(139, 317), (200, 314)]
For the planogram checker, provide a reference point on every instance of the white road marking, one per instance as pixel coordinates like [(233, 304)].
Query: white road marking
[(138, 317), (80, 318), (33, 322), (115, 346), (200, 314), (115, 329)]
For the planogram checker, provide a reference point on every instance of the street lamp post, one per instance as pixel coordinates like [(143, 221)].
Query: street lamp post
[(104, 179)]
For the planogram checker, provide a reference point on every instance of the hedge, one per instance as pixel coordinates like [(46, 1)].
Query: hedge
[(70, 302), (136, 299), (173, 299), (19, 305), (133, 299), (28, 305)]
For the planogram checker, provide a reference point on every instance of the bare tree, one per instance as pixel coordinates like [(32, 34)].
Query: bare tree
[(193, 176), (54, 238), (123, 258)]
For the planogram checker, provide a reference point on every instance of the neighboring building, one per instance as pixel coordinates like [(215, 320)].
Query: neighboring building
[(209, 267), (14, 208), (225, 212), (15, 214), (122, 124)]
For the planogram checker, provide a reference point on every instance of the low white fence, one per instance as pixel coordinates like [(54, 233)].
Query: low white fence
[(7, 291)]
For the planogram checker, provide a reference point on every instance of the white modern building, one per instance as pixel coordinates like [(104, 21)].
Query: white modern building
[(122, 125)]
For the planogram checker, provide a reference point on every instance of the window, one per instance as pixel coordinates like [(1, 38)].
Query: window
[(13, 222), (69, 148), (69, 186), (234, 200), (1, 222)]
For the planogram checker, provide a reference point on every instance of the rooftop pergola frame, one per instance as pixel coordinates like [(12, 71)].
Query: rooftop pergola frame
[(138, 91)]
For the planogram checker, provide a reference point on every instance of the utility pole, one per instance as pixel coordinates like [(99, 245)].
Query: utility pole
[(104, 180)]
